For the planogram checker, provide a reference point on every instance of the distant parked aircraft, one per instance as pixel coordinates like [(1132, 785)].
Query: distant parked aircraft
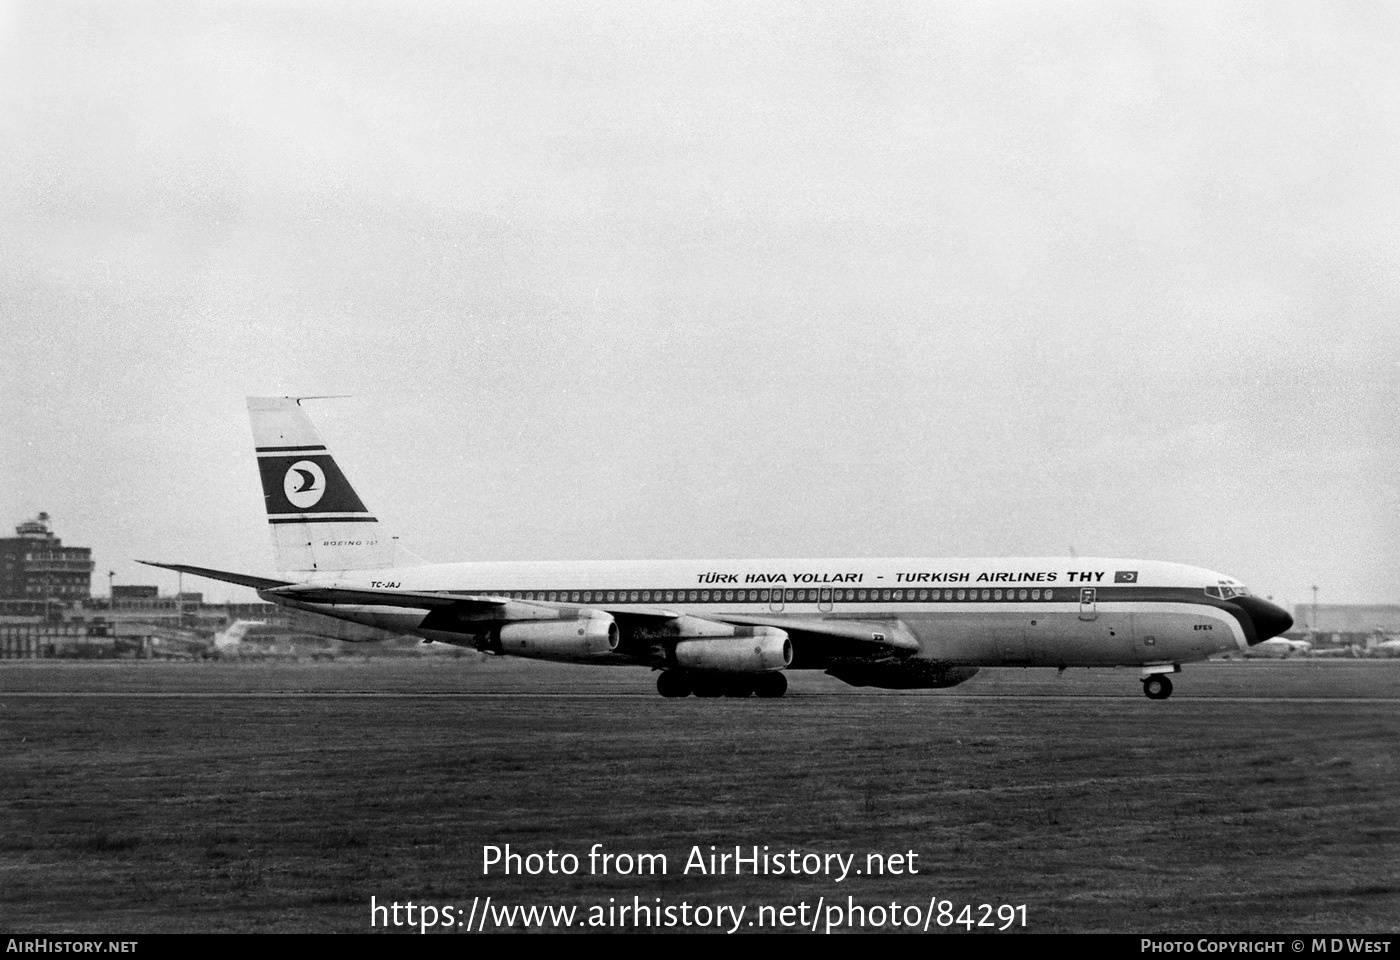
[(228, 640), (1380, 647), (1279, 648)]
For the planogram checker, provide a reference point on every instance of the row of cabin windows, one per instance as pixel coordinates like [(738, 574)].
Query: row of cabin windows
[(823, 595)]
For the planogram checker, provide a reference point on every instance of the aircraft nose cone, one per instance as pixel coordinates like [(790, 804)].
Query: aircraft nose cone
[(1269, 618)]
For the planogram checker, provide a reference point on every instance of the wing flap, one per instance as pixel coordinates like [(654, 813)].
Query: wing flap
[(650, 615), (867, 636), (890, 635)]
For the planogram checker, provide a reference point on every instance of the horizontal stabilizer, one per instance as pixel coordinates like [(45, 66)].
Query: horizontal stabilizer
[(242, 579), (311, 593)]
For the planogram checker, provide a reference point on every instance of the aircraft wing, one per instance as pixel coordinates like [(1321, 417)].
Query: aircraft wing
[(860, 637)]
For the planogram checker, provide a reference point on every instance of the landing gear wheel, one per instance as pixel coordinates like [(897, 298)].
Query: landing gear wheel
[(708, 686), (740, 687), (673, 683), (1157, 687), (770, 685)]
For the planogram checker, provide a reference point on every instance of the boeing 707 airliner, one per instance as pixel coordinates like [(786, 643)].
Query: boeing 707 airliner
[(734, 627)]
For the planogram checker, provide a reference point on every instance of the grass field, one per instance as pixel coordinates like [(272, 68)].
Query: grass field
[(271, 796)]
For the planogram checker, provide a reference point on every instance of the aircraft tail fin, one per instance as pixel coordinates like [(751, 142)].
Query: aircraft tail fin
[(318, 521)]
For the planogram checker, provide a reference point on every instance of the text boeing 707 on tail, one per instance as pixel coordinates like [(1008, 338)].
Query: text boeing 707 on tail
[(734, 627)]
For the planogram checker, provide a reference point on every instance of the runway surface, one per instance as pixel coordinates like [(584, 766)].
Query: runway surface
[(521, 695), (283, 796)]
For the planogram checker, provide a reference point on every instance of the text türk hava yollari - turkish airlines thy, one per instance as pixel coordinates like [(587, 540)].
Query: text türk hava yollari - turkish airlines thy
[(734, 627)]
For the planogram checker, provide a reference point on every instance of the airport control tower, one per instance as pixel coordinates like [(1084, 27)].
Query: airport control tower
[(35, 566)]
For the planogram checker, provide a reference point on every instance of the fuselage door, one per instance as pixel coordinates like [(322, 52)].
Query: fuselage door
[(1088, 603), (776, 603), (824, 600)]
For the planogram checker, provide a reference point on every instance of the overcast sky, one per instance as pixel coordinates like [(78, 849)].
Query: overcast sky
[(614, 280)]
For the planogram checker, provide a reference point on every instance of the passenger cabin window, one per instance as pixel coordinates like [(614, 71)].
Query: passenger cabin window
[(1218, 591)]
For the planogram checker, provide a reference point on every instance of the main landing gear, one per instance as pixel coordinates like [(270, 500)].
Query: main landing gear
[(1157, 687), (682, 683)]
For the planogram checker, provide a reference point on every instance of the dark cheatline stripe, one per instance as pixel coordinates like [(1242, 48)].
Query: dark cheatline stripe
[(287, 449), (1062, 595), (314, 519)]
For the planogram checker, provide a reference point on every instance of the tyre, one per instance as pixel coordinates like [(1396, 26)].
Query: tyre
[(1157, 687), (708, 686), (739, 687), (673, 683), (769, 685)]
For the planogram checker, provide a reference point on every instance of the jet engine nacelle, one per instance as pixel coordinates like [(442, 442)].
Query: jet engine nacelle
[(766, 650), (569, 641)]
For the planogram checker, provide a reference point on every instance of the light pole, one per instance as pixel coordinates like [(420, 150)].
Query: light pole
[(112, 606), (1314, 616)]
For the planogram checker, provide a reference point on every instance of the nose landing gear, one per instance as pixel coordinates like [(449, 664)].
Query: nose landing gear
[(1157, 687)]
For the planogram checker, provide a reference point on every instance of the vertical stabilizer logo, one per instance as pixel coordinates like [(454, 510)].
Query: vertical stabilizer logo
[(304, 484)]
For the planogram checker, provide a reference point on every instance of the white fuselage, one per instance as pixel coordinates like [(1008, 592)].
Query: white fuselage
[(1059, 611)]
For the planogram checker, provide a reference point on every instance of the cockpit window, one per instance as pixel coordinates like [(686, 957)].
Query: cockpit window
[(1227, 591)]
